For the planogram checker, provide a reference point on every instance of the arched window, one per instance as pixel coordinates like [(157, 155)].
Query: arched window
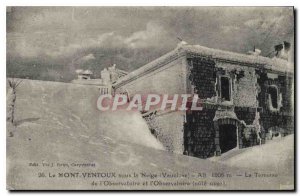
[(274, 98)]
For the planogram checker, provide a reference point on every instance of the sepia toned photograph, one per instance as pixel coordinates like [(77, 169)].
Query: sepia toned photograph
[(150, 98)]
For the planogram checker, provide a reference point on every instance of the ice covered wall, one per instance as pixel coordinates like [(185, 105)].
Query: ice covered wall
[(168, 79)]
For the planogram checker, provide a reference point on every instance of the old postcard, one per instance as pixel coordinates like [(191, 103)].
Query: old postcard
[(150, 98)]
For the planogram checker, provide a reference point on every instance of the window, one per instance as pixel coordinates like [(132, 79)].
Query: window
[(273, 93), (274, 98), (225, 89)]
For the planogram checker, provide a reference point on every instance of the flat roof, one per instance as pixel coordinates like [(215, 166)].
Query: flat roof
[(275, 64)]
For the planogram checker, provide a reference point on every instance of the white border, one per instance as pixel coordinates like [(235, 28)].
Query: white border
[(153, 3)]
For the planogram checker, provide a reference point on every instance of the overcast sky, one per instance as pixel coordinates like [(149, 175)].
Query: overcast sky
[(94, 37)]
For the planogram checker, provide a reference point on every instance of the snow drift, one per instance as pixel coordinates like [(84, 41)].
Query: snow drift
[(71, 108), (275, 155)]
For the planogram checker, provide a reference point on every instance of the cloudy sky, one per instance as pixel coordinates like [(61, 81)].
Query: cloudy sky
[(49, 43)]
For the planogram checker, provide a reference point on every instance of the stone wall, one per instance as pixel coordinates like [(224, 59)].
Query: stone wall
[(246, 114), (200, 137), (244, 88), (202, 76), (284, 117), (199, 133)]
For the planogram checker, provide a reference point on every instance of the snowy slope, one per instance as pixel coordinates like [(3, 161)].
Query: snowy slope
[(59, 123), (71, 109)]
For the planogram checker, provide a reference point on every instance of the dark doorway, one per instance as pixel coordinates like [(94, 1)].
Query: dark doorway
[(228, 137)]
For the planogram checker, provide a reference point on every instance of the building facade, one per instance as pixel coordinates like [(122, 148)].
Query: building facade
[(246, 99)]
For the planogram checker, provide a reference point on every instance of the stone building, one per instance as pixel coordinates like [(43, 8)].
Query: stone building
[(246, 99)]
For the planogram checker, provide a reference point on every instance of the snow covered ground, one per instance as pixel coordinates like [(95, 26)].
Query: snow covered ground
[(275, 154), (59, 123)]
